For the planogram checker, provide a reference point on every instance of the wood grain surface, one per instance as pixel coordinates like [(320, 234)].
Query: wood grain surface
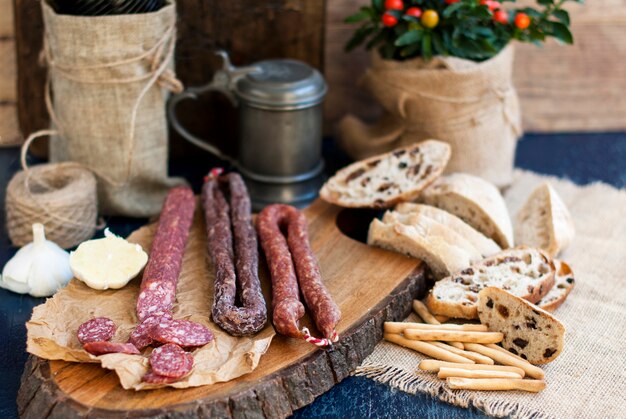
[(9, 130), (370, 286)]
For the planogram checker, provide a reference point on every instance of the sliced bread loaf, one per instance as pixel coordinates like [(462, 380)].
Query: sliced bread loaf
[(525, 272), (482, 243), (384, 180), (440, 248), (475, 201), (544, 221), (563, 285), (530, 332)]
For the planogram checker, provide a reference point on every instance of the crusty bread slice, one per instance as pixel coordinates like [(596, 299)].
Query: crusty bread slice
[(525, 272), (384, 180), (530, 332), (544, 221), (483, 244), (475, 201), (563, 285), (435, 244)]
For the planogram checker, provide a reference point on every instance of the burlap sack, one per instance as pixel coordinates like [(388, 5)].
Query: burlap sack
[(472, 106), (106, 77)]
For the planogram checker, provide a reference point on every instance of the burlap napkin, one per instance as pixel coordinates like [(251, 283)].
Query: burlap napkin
[(589, 378)]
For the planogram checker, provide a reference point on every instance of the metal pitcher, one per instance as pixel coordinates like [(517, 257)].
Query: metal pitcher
[(280, 127)]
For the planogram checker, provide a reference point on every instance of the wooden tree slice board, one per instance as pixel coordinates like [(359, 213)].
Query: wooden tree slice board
[(370, 286)]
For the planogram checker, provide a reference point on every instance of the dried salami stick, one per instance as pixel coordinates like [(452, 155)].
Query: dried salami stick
[(235, 258), (292, 267), (158, 286)]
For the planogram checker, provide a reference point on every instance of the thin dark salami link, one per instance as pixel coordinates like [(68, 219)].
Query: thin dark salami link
[(96, 329), (281, 255), (235, 259), (102, 347), (158, 286)]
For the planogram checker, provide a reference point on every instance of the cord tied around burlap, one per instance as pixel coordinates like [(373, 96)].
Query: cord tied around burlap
[(472, 106), (108, 80)]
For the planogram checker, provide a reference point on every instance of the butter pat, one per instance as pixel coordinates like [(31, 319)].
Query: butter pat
[(106, 263)]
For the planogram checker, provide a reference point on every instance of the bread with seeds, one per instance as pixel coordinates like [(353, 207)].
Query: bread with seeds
[(530, 332), (475, 201), (440, 248), (483, 244), (563, 285), (544, 221), (526, 272), (383, 181)]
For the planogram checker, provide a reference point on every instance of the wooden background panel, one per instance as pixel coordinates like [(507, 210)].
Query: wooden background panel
[(9, 130), (562, 88)]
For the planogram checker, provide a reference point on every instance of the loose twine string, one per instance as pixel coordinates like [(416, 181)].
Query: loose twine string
[(161, 52), (66, 203)]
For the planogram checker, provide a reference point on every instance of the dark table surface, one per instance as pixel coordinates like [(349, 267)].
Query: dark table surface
[(583, 158)]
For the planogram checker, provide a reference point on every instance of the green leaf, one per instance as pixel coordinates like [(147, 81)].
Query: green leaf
[(427, 52), (562, 16), (378, 5), (532, 12), (410, 51), (447, 12), (357, 17), (410, 37), (438, 44), (562, 33), (545, 2), (359, 36), (380, 36)]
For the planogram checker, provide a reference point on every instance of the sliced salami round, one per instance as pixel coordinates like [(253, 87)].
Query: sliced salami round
[(101, 348), (152, 378), (140, 337), (171, 360), (96, 330), (184, 333)]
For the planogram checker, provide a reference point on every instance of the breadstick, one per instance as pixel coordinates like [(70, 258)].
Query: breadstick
[(496, 384), (434, 365), (454, 336), (501, 349), (422, 311), (478, 358), (399, 327), (460, 372), (507, 359), (427, 349), (441, 319)]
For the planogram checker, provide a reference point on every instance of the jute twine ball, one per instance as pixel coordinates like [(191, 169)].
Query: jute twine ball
[(61, 196)]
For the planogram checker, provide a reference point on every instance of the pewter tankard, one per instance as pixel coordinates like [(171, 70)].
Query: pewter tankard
[(280, 127)]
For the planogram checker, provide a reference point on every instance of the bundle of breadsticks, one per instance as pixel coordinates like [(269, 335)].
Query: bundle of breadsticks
[(465, 355)]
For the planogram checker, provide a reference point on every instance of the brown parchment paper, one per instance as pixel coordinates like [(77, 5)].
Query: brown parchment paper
[(53, 325)]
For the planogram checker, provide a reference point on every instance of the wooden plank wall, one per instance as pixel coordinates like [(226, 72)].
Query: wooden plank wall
[(9, 131), (562, 88)]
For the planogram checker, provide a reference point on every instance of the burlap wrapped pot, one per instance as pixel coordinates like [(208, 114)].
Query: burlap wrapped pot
[(108, 80), (472, 106)]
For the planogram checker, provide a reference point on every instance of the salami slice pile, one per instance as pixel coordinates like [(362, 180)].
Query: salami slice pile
[(169, 362)]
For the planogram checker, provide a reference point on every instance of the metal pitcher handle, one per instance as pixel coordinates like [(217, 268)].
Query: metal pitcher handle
[(223, 81)]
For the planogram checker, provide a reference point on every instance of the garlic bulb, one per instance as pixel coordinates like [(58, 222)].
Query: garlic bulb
[(106, 263), (40, 268)]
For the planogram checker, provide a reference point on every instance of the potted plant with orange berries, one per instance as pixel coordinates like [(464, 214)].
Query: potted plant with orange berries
[(443, 69)]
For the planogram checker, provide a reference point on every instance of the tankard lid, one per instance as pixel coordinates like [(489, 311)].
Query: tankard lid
[(282, 84)]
